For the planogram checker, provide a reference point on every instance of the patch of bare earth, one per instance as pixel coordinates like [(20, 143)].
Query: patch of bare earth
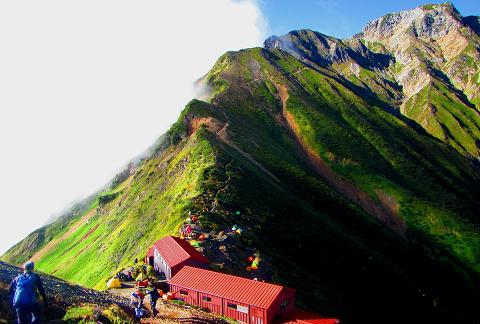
[(388, 210), (213, 125), (90, 232), (168, 312)]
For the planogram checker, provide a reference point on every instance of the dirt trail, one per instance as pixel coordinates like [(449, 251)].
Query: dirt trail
[(223, 136), (221, 130), (66, 235), (387, 213)]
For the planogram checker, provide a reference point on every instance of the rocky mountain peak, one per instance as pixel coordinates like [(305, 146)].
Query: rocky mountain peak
[(324, 50), (430, 21)]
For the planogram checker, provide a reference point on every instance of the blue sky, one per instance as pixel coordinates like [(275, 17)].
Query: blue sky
[(340, 18)]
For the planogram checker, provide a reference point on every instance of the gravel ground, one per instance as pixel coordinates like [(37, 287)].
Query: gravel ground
[(64, 292)]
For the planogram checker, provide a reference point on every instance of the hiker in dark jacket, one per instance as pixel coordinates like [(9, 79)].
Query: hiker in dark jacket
[(154, 295), (24, 291)]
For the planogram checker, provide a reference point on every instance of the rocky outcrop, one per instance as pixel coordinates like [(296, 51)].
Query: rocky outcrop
[(430, 21)]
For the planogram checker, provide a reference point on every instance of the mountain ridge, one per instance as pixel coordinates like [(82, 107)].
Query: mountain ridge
[(427, 52)]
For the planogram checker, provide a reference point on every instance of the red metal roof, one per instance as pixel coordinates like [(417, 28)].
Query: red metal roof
[(304, 317), (241, 290), (174, 251)]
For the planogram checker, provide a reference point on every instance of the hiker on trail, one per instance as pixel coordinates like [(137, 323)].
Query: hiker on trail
[(136, 299), (154, 295), (183, 232), (24, 291)]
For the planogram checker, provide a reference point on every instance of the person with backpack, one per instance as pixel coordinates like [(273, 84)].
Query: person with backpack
[(136, 298), (24, 291), (154, 295)]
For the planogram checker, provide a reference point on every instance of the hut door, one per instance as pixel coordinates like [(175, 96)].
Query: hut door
[(256, 315)]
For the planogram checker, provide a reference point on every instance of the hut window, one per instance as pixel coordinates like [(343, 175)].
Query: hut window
[(231, 305), (183, 292), (284, 304), (207, 299)]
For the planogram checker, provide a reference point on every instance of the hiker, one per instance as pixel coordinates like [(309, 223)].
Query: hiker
[(183, 232), (136, 300), (24, 291), (122, 276), (154, 295), (188, 230), (137, 297)]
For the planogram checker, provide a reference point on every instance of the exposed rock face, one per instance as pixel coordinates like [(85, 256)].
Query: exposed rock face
[(326, 50), (430, 52), (420, 39), (428, 21)]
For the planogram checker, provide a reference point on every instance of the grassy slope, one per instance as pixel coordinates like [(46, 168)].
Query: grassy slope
[(381, 153), (381, 157), (446, 116)]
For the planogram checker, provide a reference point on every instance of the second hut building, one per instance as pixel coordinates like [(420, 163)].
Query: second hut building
[(245, 300), (170, 254)]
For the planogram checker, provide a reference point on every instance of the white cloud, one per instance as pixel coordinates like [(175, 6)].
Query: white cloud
[(87, 85)]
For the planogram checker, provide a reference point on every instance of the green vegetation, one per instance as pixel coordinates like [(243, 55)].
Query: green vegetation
[(377, 47), (455, 122), (428, 7), (87, 314), (107, 197)]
